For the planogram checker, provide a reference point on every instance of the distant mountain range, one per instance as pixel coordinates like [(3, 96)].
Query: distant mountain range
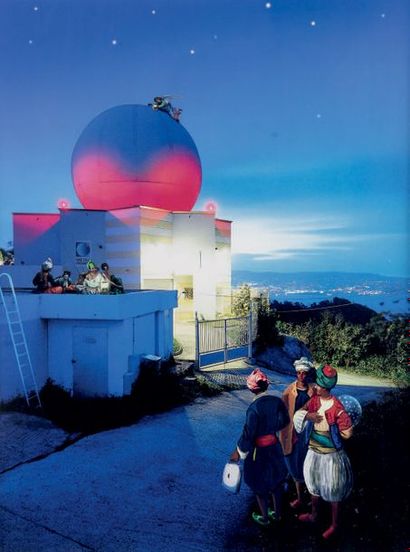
[(321, 282)]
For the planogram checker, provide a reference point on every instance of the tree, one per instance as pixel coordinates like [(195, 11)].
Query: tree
[(241, 301)]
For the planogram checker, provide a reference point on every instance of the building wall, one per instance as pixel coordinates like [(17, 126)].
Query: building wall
[(123, 245), (89, 344), (157, 264), (36, 336), (82, 237), (194, 254), (148, 248), (35, 237), (223, 268)]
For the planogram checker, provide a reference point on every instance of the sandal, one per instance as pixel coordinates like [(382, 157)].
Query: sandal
[(272, 514), (258, 518)]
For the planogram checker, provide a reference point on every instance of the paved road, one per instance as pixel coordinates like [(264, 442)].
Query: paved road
[(151, 487)]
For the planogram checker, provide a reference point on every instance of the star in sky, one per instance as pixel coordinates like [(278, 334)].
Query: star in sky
[(284, 164)]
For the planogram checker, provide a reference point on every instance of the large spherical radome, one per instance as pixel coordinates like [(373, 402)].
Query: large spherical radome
[(131, 155)]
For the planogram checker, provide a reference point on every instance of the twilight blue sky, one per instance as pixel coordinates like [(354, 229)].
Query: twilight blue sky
[(299, 109)]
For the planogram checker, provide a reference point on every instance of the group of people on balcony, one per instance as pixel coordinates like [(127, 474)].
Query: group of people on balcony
[(92, 281), (298, 436)]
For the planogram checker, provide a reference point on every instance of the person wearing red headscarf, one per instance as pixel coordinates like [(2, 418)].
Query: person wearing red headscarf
[(327, 470), (264, 466)]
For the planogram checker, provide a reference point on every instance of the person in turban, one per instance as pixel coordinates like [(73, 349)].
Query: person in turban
[(327, 470), (44, 281), (294, 446), (264, 465)]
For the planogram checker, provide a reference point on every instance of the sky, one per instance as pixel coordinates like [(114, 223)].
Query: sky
[(299, 111)]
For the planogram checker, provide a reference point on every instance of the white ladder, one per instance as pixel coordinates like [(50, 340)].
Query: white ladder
[(18, 339)]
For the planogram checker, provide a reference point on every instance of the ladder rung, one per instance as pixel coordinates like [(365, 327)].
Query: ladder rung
[(32, 395)]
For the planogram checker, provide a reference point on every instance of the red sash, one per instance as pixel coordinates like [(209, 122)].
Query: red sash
[(266, 440)]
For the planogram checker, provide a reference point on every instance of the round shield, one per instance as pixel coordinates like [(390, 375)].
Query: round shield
[(353, 407)]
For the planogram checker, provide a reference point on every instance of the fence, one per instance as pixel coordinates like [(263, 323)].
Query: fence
[(223, 340)]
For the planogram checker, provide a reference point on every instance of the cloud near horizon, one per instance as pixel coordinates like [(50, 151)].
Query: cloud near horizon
[(284, 237)]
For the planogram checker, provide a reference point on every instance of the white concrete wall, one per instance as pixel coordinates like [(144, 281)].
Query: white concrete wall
[(80, 225), (59, 326), (156, 246), (194, 253), (63, 360), (36, 335), (35, 237), (122, 245)]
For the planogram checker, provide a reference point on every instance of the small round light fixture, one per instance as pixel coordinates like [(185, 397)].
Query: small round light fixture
[(210, 207), (63, 204)]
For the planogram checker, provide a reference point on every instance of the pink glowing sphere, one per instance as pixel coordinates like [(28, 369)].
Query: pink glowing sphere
[(131, 155)]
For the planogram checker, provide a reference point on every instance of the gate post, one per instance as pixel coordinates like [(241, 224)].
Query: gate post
[(250, 334), (225, 343), (197, 355)]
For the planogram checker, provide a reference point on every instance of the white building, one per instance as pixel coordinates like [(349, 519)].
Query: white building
[(94, 344), (90, 344), (189, 252)]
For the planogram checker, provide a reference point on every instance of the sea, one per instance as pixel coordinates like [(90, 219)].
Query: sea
[(393, 303)]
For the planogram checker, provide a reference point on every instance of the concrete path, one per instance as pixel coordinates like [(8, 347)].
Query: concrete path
[(151, 487)]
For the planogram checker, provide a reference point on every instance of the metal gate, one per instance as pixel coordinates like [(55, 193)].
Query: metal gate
[(223, 340)]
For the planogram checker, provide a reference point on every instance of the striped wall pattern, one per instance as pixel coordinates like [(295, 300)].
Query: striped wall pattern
[(123, 247)]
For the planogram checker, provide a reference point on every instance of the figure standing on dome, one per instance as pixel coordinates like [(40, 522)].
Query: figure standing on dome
[(327, 470), (162, 103)]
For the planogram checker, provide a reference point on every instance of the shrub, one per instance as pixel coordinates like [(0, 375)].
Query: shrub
[(177, 347)]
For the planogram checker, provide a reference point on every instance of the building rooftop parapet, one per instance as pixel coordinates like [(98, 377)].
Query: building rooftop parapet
[(105, 307)]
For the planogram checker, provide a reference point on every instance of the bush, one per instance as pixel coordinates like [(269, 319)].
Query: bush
[(378, 347), (177, 347), (153, 392)]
